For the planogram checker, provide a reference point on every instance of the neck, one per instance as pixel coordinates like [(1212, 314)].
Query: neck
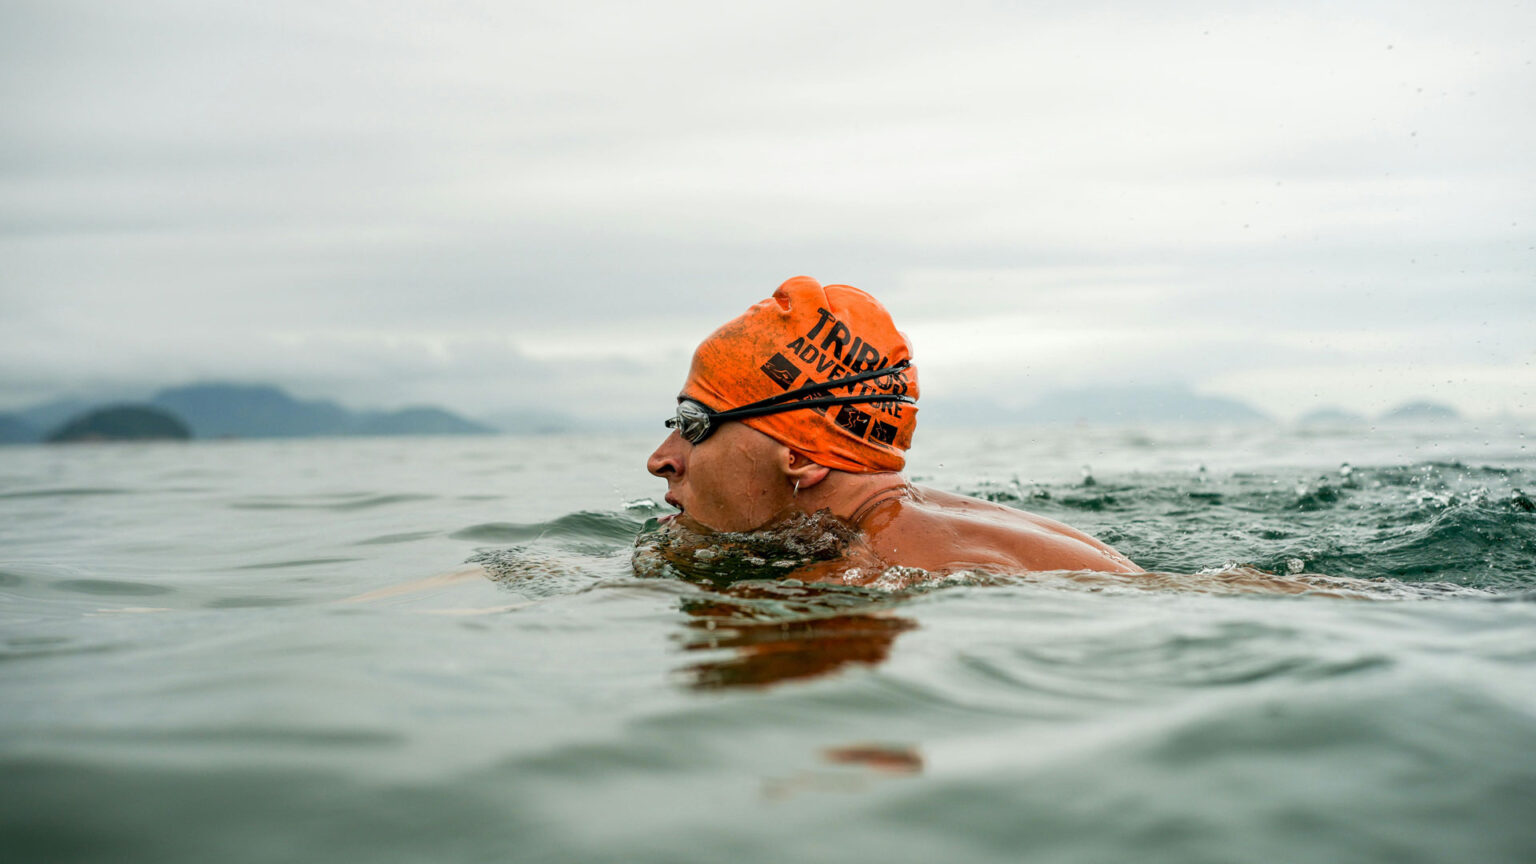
[(850, 496)]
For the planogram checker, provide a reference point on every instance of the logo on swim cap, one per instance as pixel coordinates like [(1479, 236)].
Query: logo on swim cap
[(853, 420), (781, 371)]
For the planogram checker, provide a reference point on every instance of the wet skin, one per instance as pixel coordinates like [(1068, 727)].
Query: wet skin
[(943, 532), (739, 479), (730, 482)]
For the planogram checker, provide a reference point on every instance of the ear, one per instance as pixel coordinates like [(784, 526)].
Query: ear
[(798, 468)]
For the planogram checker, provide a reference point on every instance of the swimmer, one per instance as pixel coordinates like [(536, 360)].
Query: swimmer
[(806, 404)]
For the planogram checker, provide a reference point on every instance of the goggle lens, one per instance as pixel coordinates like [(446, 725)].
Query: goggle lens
[(691, 421)]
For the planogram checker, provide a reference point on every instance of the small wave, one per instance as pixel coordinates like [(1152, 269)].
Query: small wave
[(1465, 535), (346, 503), (1445, 522), (81, 492), (252, 602), (111, 587), (585, 525), (296, 562), (1247, 580), (405, 537), (561, 556), (13, 650), (538, 572)]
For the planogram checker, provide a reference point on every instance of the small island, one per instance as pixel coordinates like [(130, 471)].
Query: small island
[(122, 423)]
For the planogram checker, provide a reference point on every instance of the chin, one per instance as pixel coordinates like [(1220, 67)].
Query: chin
[(714, 526)]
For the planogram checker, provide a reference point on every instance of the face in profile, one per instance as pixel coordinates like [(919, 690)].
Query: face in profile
[(732, 481)]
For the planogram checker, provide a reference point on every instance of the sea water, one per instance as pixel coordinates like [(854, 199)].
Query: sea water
[(205, 658)]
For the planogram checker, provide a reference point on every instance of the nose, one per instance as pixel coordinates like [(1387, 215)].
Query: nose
[(668, 458)]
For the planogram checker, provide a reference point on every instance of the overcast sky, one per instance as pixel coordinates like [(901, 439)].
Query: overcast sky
[(487, 205)]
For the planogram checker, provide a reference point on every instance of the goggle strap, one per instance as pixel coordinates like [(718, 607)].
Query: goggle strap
[(758, 409), (792, 395)]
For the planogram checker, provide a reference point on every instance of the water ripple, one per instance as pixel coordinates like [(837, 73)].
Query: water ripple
[(298, 562), (111, 587), (79, 492), (346, 504)]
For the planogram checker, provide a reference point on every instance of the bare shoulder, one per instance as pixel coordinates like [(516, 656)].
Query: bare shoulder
[(942, 531)]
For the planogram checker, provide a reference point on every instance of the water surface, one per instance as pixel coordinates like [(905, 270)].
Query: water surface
[(182, 678)]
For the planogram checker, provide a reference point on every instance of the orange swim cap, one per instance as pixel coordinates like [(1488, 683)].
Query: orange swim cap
[(806, 334)]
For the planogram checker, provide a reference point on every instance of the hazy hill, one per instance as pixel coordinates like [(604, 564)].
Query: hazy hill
[(1331, 417), (220, 410), (228, 410), (418, 421), (217, 410), (535, 422), (122, 423), (51, 414), (1175, 404), (1421, 412), (1097, 405), (14, 430)]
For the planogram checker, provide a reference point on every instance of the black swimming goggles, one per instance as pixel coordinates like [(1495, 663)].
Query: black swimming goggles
[(695, 422)]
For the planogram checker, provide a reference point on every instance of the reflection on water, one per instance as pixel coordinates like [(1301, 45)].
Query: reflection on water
[(879, 757), (776, 628), (770, 651), (868, 761)]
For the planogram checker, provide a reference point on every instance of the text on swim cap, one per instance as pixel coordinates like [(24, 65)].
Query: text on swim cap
[(842, 352), (856, 354)]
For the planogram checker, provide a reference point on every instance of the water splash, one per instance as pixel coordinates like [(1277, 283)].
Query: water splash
[(680, 549)]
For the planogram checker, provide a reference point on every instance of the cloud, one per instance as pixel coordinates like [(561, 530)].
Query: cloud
[(395, 197)]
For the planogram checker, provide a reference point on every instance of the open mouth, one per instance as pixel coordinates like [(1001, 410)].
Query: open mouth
[(675, 503)]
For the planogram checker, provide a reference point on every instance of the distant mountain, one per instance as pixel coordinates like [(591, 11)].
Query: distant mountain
[(1421, 412), (14, 430), (419, 421), (122, 423), (229, 410), (1174, 404), (218, 410), (533, 422), (223, 410), (1097, 405), (1332, 417), (50, 414)]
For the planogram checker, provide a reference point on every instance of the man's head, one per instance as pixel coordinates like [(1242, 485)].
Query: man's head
[(808, 380)]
